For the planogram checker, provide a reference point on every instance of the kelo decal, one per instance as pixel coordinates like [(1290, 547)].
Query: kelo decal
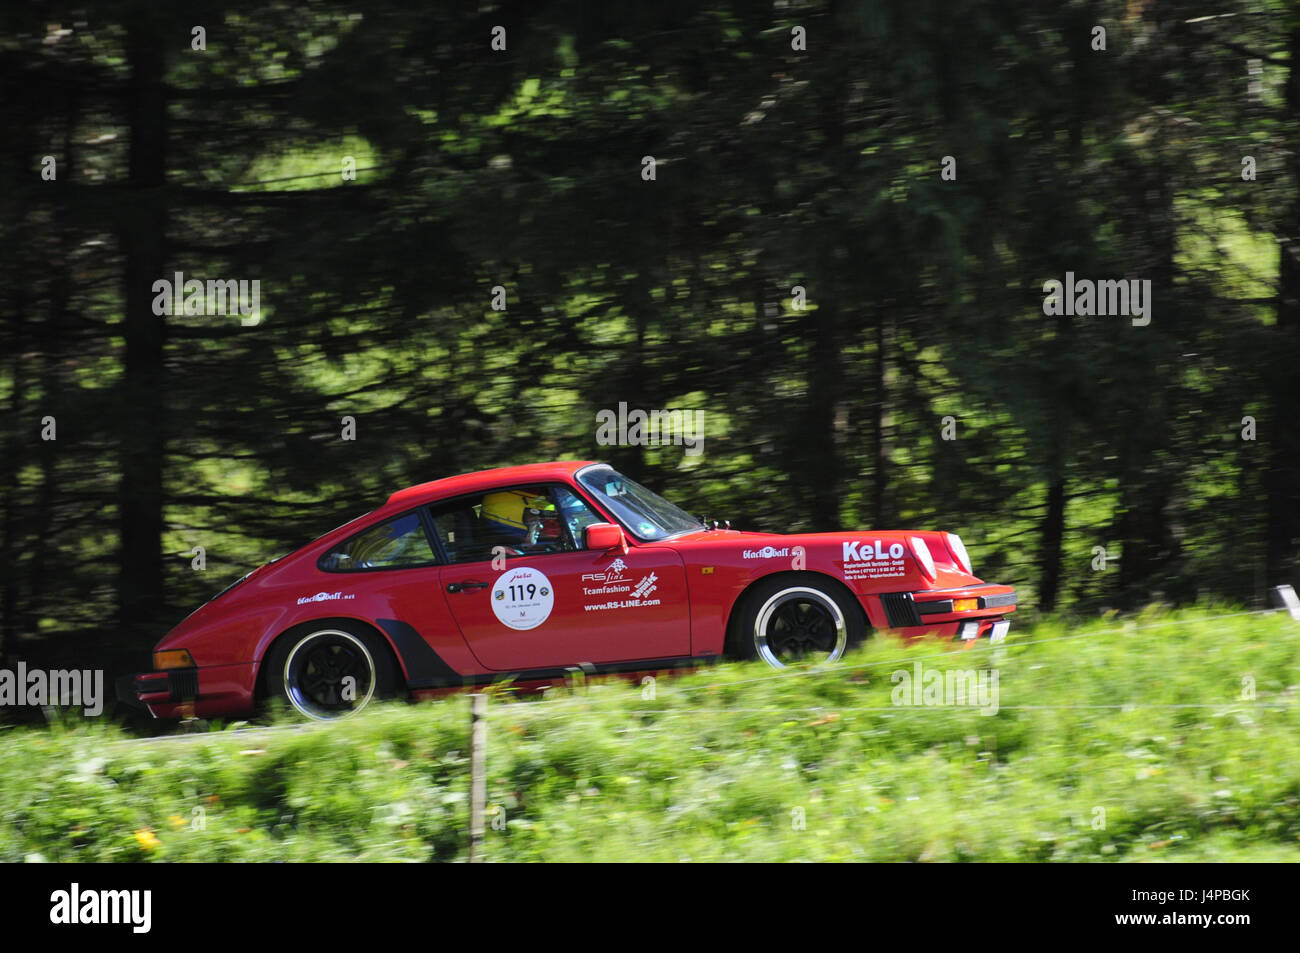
[(873, 561)]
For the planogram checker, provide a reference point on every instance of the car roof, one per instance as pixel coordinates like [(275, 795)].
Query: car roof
[(556, 471)]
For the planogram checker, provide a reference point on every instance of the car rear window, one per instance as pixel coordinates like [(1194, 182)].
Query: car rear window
[(397, 544)]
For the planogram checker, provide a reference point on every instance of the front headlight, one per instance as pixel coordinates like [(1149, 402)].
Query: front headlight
[(958, 550), (921, 553)]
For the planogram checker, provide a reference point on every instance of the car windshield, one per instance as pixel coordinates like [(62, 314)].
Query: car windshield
[(648, 515)]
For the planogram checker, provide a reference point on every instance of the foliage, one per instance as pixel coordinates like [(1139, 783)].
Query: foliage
[(1171, 736), (522, 169)]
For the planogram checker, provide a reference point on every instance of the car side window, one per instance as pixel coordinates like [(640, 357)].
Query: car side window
[(458, 528), (576, 514), (514, 521), (397, 544)]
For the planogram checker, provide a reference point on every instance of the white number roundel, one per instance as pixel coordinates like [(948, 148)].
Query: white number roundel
[(522, 598)]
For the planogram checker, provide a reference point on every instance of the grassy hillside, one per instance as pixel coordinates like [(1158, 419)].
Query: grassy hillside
[(1138, 741)]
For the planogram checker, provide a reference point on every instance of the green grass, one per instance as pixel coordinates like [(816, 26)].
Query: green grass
[(1144, 722)]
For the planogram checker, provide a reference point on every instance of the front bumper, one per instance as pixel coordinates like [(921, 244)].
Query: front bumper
[(967, 613)]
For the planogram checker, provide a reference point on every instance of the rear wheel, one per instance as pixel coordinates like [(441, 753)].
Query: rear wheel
[(790, 619), (330, 670)]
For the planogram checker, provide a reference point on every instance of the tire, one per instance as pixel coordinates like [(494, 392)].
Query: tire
[(308, 667), (797, 617)]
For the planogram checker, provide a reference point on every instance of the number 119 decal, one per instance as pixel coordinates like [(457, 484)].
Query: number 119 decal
[(522, 598)]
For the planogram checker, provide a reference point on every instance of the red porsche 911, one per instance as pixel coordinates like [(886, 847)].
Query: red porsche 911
[(531, 572)]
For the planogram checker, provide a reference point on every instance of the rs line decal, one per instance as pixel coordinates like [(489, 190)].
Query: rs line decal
[(522, 598), (638, 595)]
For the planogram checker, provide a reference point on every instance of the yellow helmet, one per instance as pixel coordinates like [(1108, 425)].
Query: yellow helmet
[(509, 508)]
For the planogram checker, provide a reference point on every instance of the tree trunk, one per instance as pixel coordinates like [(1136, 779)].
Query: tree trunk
[(1283, 478), (143, 235), (820, 455), (880, 481), (1049, 550)]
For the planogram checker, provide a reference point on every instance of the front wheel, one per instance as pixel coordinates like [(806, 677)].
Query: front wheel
[(791, 619), (329, 671)]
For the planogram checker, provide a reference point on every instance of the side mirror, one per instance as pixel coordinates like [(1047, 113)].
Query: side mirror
[(603, 537)]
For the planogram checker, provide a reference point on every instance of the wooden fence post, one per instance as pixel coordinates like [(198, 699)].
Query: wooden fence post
[(477, 774)]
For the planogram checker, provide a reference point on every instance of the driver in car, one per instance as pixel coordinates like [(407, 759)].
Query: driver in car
[(520, 516)]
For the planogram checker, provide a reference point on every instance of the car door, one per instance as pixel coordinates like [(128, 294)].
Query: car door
[(388, 574), (550, 603)]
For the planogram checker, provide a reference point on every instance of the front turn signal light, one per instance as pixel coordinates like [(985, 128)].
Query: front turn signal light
[(965, 605), (173, 658)]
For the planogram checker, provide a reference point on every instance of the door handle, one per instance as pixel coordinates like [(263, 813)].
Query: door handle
[(461, 586)]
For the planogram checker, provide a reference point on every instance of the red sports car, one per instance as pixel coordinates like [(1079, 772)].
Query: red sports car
[(534, 571)]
